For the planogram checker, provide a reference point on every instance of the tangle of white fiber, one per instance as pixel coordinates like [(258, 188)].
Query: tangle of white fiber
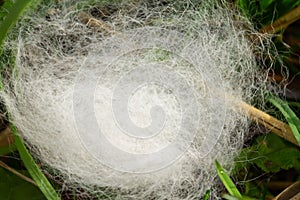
[(59, 55)]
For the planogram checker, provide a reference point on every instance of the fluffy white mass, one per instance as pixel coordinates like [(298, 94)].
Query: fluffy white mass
[(134, 100)]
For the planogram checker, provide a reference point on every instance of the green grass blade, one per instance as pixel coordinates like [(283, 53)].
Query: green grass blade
[(33, 169), (207, 195), (264, 4), (296, 104), (229, 197), (290, 116), (243, 5), (228, 183), (10, 12)]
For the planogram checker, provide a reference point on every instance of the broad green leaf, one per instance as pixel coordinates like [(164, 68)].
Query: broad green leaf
[(258, 189), (264, 4), (264, 12), (248, 7), (286, 6), (243, 5), (289, 2), (270, 153), (10, 12), (290, 116), (275, 154), (33, 169), (5, 4), (277, 160), (253, 189), (13, 187), (228, 183), (293, 2)]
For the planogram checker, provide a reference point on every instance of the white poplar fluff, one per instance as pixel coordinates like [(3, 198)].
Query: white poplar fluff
[(138, 106)]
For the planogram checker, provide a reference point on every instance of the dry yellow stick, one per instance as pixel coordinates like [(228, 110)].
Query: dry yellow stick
[(290, 193), (5, 166), (282, 22), (276, 126), (96, 23)]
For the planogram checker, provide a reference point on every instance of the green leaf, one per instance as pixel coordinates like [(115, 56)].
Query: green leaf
[(296, 104), (277, 160), (270, 153), (289, 115), (13, 187), (291, 3), (207, 195), (286, 6), (264, 4), (264, 12), (229, 197), (33, 169), (245, 7), (254, 189), (228, 183), (10, 12)]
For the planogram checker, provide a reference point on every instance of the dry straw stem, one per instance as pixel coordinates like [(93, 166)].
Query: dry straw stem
[(95, 23), (290, 193), (276, 126), (6, 138), (5, 166), (282, 22)]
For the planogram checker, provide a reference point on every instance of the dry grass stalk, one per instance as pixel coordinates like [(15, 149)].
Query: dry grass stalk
[(276, 126), (283, 22), (5, 166), (95, 23)]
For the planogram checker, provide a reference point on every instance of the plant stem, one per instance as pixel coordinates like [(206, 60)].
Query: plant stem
[(276, 126), (283, 22), (5, 166)]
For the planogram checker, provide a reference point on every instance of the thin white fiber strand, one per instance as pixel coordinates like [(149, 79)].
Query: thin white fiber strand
[(202, 40)]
